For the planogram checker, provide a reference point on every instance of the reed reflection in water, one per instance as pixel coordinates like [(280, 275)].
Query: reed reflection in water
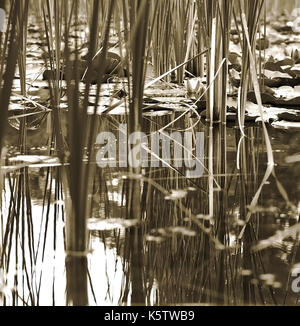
[(184, 248)]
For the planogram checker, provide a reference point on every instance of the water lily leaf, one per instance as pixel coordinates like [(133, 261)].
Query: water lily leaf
[(235, 58), (282, 28), (184, 231), (246, 272), (296, 70), (261, 209), (277, 79), (156, 110), (270, 99), (292, 158), (286, 62), (205, 217), (176, 194), (152, 238), (286, 125), (273, 66), (276, 74), (267, 277), (286, 92), (289, 116), (97, 224), (34, 159)]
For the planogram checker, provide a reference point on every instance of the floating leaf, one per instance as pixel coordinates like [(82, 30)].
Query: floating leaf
[(246, 272), (260, 209), (286, 125), (267, 277), (292, 158), (290, 115), (204, 217), (176, 194), (276, 285), (152, 238), (184, 231), (33, 159), (156, 111), (276, 74), (97, 224)]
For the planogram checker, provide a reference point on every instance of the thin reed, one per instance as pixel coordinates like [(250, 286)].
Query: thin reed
[(195, 236)]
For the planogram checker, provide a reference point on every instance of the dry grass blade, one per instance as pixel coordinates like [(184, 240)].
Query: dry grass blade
[(267, 139)]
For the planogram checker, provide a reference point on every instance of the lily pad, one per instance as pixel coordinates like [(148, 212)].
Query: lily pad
[(289, 116), (97, 224), (286, 125), (270, 99)]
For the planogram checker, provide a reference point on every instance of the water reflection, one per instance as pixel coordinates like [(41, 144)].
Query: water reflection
[(183, 248)]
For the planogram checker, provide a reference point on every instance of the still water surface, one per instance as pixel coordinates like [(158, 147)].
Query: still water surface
[(175, 252)]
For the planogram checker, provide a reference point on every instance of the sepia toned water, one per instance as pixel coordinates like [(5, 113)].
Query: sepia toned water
[(188, 241), (176, 251)]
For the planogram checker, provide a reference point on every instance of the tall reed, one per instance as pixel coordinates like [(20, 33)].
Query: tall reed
[(138, 13), (167, 34), (82, 138), (8, 59)]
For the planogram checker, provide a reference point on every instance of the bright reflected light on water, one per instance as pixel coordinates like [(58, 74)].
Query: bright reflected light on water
[(47, 277), (106, 272)]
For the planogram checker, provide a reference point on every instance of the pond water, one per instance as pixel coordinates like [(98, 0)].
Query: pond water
[(176, 251), (228, 236)]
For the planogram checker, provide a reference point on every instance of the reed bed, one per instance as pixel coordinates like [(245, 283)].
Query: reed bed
[(178, 39)]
